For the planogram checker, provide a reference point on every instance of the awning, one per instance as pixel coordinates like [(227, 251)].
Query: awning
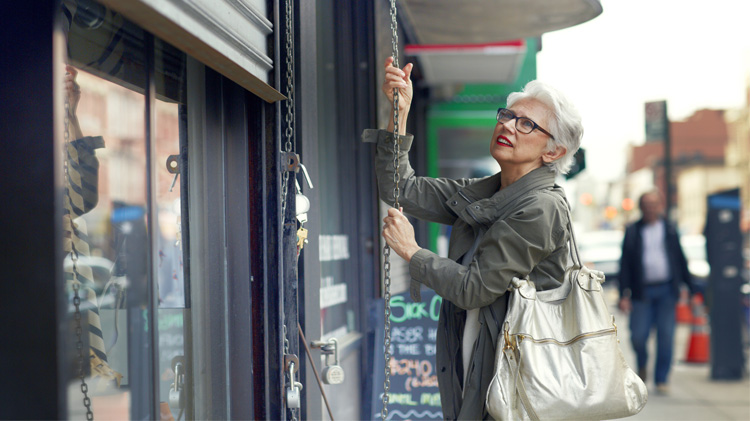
[(497, 62), (228, 36), (486, 21), (468, 41)]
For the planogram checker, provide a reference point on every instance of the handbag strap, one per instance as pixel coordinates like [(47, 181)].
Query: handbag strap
[(526, 401), (573, 245), (520, 389), (514, 366)]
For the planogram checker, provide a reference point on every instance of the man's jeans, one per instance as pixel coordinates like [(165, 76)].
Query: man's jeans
[(656, 309)]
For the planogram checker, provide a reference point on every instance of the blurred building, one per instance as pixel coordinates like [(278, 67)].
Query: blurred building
[(698, 147), (694, 185), (738, 154)]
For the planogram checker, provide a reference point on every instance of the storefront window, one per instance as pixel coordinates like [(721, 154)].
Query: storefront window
[(121, 217), (169, 172), (338, 193)]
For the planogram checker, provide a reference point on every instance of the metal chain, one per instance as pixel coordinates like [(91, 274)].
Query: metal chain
[(286, 340), (76, 283), (289, 145), (387, 336), (386, 248), (396, 135), (79, 345)]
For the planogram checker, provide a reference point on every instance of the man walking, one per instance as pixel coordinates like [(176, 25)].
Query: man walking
[(651, 269)]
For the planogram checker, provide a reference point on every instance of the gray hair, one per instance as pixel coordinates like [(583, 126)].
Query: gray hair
[(564, 121)]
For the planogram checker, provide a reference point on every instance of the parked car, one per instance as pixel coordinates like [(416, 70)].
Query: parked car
[(694, 247), (601, 250)]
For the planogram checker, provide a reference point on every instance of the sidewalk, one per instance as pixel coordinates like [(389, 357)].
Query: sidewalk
[(693, 395)]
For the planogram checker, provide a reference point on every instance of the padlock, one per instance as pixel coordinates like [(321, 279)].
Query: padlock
[(293, 392), (292, 398), (333, 374), (302, 205), (301, 202), (176, 397)]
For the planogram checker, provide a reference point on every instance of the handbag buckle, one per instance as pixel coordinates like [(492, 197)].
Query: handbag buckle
[(507, 341), (510, 340)]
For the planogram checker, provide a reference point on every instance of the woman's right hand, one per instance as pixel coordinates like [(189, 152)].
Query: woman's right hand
[(72, 89), (396, 78)]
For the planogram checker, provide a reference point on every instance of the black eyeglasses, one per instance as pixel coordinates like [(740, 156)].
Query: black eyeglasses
[(523, 124)]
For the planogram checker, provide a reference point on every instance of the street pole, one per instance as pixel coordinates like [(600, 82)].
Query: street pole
[(668, 166)]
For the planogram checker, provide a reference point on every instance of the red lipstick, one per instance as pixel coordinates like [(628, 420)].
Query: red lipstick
[(503, 141)]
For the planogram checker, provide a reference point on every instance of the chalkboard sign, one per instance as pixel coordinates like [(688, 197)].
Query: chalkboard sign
[(414, 391)]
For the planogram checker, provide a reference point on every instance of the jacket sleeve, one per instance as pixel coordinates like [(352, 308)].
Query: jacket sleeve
[(511, 248), (83, 173), (421, 197), (626, 263)]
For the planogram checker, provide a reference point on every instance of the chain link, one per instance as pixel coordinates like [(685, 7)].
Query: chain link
[(386, 248), (76, 283), (289, 144), (66, 135), (286, 340), (387, 336), (79, 346)]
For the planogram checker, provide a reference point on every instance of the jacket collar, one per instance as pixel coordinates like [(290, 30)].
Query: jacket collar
[(482, 202)]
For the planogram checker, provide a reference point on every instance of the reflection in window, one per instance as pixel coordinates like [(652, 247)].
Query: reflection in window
[(105, 214), (106, 167)]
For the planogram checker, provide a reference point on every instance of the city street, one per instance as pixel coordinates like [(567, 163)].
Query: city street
[(693, 395)]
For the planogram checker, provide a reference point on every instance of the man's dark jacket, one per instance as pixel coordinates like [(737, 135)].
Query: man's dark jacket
[(631, 262)]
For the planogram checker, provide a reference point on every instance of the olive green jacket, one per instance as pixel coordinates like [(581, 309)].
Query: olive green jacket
[(524, 231)]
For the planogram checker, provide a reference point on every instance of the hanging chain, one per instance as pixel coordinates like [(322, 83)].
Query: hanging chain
[(286, 340), (76, 283), (386, 248), (289, 147), (79, 345), (387, 336)]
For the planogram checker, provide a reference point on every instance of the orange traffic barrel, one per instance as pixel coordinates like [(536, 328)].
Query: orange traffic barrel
[(699, 345), (683, 313)]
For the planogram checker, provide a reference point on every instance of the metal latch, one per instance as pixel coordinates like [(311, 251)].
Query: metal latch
[(173, 167), (177, 389), (293, 400)]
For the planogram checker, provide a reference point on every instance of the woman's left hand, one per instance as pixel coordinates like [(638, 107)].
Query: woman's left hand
[(73, 93), (399, 234)]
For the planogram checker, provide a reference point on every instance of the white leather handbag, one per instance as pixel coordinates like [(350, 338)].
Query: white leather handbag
[(558, 356)]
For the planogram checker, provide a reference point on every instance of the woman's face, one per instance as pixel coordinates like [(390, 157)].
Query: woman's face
[(516, 151)]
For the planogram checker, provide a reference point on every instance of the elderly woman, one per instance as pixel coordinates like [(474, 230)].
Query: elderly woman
[(510, 224)]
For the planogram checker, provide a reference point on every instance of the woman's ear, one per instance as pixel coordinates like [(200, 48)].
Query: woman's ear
[(550, 156)]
